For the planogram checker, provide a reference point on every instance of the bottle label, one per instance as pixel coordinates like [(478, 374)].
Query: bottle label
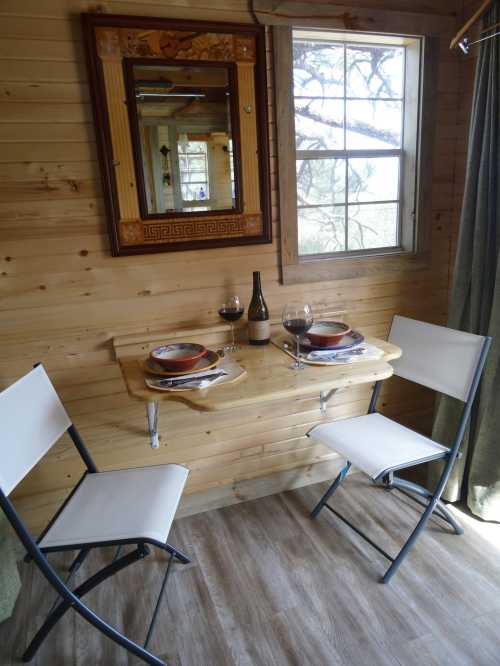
[(259, 330)]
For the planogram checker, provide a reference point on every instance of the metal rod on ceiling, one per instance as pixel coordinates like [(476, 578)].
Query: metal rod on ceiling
[(465, 43), (468, 24)]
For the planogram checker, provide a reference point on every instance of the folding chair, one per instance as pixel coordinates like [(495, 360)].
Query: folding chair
[(130, 506), (439, 358)]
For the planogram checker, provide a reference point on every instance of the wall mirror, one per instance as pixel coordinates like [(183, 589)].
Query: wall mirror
[(181, 116), (181, 123)]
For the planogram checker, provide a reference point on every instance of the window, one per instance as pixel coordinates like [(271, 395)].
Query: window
[(193, 167), (349, 108), (352, 103)]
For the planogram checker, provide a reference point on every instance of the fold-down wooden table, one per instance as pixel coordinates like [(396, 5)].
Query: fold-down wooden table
[(268, 374)]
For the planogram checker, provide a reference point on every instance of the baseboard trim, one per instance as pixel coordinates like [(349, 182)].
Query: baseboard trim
[(250, 489)]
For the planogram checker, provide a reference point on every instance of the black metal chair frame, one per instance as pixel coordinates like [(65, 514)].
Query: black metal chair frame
[(431, 500), (68, 598)]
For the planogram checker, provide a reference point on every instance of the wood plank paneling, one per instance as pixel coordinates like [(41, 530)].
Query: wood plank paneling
[(63, 297)]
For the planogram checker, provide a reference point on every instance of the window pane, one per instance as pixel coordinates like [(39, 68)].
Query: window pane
[(194, 192), (318, 69), (197, 163), (321, 181), (374, 71), (373, 178), (188, 192), (319, 124), (372, 125), (372, 226), (194, 177), (321, 230), (196, 147)]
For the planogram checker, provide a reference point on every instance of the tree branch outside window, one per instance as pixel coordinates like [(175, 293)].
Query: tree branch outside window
[(349, 106)]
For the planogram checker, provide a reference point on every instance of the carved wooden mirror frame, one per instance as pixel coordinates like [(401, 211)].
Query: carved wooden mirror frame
[(112, 44)]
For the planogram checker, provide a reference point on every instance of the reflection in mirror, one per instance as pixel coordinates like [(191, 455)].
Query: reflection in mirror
[(184, 126)]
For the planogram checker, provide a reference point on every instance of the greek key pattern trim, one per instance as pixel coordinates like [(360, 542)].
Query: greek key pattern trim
[(185, 230)]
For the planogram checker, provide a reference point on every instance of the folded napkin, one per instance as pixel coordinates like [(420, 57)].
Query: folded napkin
[(362, 352)]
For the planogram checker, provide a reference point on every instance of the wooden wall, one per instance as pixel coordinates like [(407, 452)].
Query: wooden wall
[(63, 297)]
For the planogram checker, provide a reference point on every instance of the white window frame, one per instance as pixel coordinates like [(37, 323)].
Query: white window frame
[(206, 182)]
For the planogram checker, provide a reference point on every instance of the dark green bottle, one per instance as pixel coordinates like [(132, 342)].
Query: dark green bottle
[(259, 329)]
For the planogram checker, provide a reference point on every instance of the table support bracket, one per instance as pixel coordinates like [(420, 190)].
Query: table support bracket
[(152, 412), (324, 398)]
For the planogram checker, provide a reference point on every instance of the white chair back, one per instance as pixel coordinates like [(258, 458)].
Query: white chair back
[(440, 358), (32, 419)]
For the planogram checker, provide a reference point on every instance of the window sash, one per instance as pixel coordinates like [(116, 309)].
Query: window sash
[(188, 170), (346, 154), (349, 203), (350, 98)]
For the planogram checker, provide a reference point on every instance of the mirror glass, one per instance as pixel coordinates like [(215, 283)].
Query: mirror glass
[(186, 143)]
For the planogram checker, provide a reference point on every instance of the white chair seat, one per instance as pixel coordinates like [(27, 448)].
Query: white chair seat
[(122, 504), (377, 445)]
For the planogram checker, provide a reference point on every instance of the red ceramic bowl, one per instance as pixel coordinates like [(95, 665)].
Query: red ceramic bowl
[(178, 356), (327, 333)]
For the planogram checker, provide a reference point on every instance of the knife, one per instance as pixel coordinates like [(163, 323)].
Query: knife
[(337, 354), (180, 381)]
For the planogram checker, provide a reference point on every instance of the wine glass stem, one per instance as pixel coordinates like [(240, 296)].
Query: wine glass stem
[(232, 335), (297, 362)]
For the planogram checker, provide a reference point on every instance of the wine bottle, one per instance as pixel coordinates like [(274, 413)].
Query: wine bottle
[(259, 330)]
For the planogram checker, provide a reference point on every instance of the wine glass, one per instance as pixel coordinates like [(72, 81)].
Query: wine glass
[(231, 311), (297, 318)]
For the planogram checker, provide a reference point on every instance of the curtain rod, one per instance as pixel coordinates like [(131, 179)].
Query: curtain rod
[(465, 43), (468, 24)]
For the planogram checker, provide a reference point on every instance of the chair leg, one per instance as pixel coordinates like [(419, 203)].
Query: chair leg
[(158, 602), (331, 490), (410, 489), (178, 554), (449, 517), (388, 481), (72, 570), (410, 541), (116, 636), (78, 561), (117, 554), (55, 615)]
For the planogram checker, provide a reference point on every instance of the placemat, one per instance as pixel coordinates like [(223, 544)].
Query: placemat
[(288, 346)]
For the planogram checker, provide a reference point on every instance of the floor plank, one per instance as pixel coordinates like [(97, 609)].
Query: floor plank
[(268, 586)]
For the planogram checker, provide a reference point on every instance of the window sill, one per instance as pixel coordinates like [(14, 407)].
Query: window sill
[(342, 268)]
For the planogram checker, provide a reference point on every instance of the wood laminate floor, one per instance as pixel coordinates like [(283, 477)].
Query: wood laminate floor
[(268, 586)]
